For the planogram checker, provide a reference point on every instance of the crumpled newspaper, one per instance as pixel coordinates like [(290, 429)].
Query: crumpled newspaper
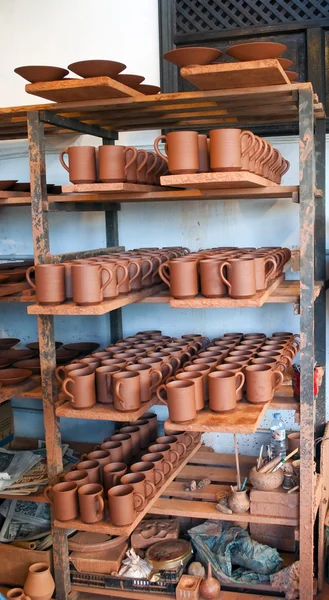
[(134, 566)]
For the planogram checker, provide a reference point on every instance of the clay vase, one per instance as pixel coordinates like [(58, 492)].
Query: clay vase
[(183, 151), (49, 283), (210, 587), (204, 166), (261, 383), (181, 276), (126, 391), (180, 400), (238, 501), (39, 584), (241, 277), (113, 163), (17, 594), (82, 163)]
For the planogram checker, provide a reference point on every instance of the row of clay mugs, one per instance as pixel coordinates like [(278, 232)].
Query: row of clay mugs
[(236, 272), (90, 281), (116, 164), (219, 372), (225, 150)]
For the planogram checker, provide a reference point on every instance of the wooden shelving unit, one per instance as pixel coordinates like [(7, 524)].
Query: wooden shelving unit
[(202, 110)]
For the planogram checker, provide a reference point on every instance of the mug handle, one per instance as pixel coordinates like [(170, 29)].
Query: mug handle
[(156, 147), (157, 267), (160, 475), (27, 275), (175, 454), (221, 274), (139, 502), (125, 274), (161, 269), (241, 376), (181, 445), (147, 261), (158, 393), (48, 494), (117, 386), (99, 505), (177, 361), (144, 161), (65, 390), (84, 457), (278, 377), (130, 162), (169, 465), (287, 357), (109, 279), (280, 365), (155, 158), (61, 159), (250, 146), (153, 386), (270, 260), (169, 367), (138, 270), (59, 370), (152, 488)]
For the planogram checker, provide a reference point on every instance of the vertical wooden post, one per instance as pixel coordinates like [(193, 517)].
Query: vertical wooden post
[(49, 386), (307, 408)]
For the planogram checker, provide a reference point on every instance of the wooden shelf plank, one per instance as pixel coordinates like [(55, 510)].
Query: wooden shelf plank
[(87, 593), (70, 308), (17, 391), (115, 188), (103, 412), (75, 90), (106, 527), (211, 181)]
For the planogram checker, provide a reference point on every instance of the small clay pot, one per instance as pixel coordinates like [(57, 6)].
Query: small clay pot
[(293, 441), (238, 501), (17, 594), (266, 481), (39, 584), (210, 587)]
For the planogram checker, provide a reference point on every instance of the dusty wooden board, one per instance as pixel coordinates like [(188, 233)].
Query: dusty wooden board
[(70, 308), (220, 180), (244, 419), (106, 527), (200, 302), (88, 593), (7, 289), (223, 76), (103, 412), (16, 391), (121, 188), (76, 90)]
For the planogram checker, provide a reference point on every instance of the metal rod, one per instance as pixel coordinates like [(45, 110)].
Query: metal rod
[(76, 125), (58, 258), (82, 206)]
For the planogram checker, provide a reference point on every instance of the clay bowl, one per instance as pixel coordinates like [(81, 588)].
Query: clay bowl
[(36, 73), (32, 364), (131, 81), (266, 482), (148, 90), (256, 50), (16, 275), (285, 62), (3, 278), (4, 362), (7, 183), (96, 68), (292, 75), (21, 187), (82, 347), (13, 376), (8, 343), (193, 55), (13, 355), (35, 345), (293, 441), (63, 356)]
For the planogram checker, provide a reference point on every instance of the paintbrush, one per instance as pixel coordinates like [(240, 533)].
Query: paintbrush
[(243, 487), (260, 457), (238, 477), (284, 460)]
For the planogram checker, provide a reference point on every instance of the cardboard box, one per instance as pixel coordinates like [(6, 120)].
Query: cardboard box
[(15, 563), (6, 424)]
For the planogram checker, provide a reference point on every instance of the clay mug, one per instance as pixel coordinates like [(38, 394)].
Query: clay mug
[(39, 584), (152, 166), (104, 388), (166, 450), (149, 380), (144, 427), (159, 462), (137, 282), (114, 448), (180, 400), (152, 474), (223, 389), (202, 368), (152, 419), (113, 473), (248, 149), (124, 503), (49, 284), (197, 378), (87, 283), (160, 365), (261, 383), (181, 277), (182, 148), (203, 153), (91, 503), (124, 284), (82, 393), (272, 362), (113, 164), (17, 594), (174, 444), (62, 371), (103, 458), (119, 276), (187, 438), (140, 483), (126, 391), (241, 277), (127, 445), (226, 148), (251, 336), (233, 368), (293, 441), (212, 285), (135, 434), (64, 499), (82, 164), (88, 362), (262, 273), (141, 175), (91, 467), (211, 361), (78, 477)]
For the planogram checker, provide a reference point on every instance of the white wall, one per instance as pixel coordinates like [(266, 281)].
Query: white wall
[(126, 30)]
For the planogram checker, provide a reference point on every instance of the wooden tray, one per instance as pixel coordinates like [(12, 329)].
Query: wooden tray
[(213, 181), (223, 76), (106, 527), (114, 188), (73, 90)]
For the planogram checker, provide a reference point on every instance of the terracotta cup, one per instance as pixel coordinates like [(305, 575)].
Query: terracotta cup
[(141, 172), (133, 272), (62, 371), (226, 148), (87, 283), (188, 438), (197, 378), (180, 400), (159, 462), (91, 503), (261, 383), (80, 388), (152, 168), (174, 444), (78, 477), (160, 365), (181, 277), (104, 388), (204, 166), (152, 474), (126, 391), (113, 163), (204, 369), (223, 388), (89, 362), (17, 594), (241, 277), (144, 427), (126, 441), (119, 276), (140, 483), (212, 285), (113, 473), (64, 498), (135, 434), (166, 450), (182, 148), (263, 274), (92, 467), (152, 419), (124, 504), (82, 163), (293, 441), (49, 283), (103, 458), (233, 368), (114, 448)]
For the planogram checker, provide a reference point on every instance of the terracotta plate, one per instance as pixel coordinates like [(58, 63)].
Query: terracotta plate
[(256, 50), (4, 185), (130, 80), (33, 364), (149, 90), (64, 356), (192, 56), (285, 62), (96, 68), (4, 362), (12, 376), (15, 275), (15, 355), (21, 187), (36, 73), (35, 345), (8, 342), (82, 347), (3, 278), (292, 75)]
